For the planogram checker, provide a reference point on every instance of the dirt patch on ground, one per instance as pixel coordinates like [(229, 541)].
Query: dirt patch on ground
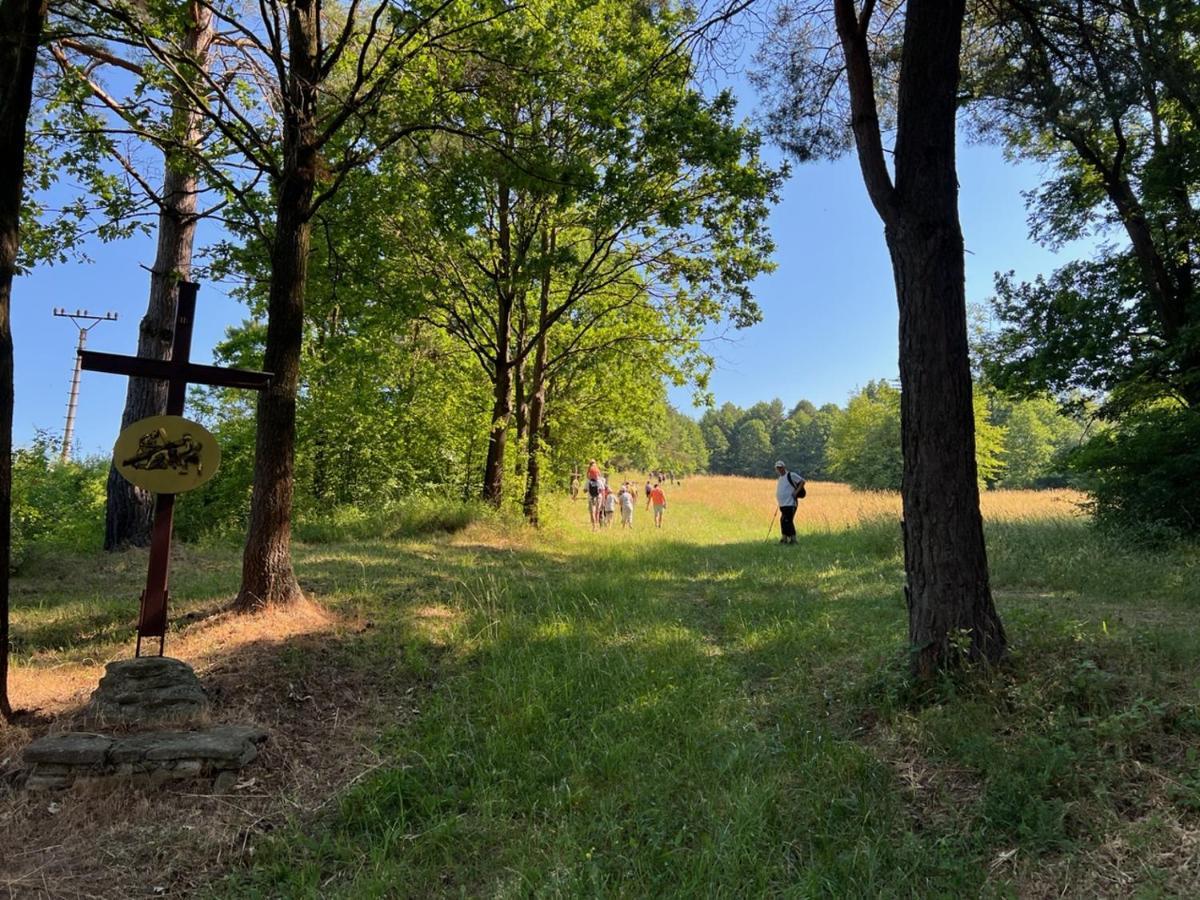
[(207, 636), (935, 793), (1158, 855), (289, 671)]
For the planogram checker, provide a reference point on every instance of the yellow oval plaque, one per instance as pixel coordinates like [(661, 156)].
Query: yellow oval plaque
[(166, 454)]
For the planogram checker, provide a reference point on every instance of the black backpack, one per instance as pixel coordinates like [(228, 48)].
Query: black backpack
[(800, 492)]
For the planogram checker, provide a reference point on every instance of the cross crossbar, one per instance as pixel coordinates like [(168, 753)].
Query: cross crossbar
[(166, 370), (179, 371)]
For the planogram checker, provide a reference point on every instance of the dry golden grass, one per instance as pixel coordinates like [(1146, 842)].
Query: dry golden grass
[(1008, 506), (835, 506), (214, 638), (322, 718)]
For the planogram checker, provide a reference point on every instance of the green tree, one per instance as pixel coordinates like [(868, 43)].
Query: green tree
[(750, 448), (800, 440), (88, 121), (683, 451), (332, 88), (989, 440), (617, 185), (864, 446), (717, 426), (1108, 95), (1142, 474), (387, 404), (1037, 439)]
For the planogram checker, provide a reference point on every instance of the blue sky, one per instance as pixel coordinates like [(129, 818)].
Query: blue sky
[(44, 346), (829, 310)]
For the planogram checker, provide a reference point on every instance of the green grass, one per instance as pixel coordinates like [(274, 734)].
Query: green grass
[(700, 712), (411, 517)]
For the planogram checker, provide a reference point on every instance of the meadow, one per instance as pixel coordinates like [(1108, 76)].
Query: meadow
[(691, 711)]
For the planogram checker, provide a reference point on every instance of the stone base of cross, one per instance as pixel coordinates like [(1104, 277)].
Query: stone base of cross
[(178, 371)]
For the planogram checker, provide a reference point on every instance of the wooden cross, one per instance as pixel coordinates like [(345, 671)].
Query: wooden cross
[(179, 371)]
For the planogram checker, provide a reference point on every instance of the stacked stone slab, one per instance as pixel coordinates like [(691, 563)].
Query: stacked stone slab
[(138, 694), (151, 758), (148, 690)]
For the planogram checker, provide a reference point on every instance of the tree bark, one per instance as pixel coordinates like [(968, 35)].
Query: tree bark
[(947, 591), (21, 23), (537, 408), (129, 512), (537, 400), (493, 473), (267, 575), (520, 410)]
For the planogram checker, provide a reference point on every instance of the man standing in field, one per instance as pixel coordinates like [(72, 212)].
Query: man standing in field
[(658, 500), (788, 489)]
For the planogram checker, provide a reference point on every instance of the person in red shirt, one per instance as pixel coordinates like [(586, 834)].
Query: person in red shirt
[(658, 500)]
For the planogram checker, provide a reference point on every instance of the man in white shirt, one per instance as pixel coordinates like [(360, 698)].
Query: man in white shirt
[(787, 490)]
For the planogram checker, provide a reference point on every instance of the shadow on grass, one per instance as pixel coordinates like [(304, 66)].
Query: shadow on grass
[(323, 697), (665, 719), (670, 718)]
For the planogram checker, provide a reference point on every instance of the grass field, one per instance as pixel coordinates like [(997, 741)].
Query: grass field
[(692, 711)]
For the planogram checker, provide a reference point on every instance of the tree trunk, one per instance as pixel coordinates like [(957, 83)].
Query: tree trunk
[(493, 473), (537, 400), (947, 591), (267, 574), (21, 23), (945, 559), (537, 407), (129, 513), (520, 410), (949, 598)]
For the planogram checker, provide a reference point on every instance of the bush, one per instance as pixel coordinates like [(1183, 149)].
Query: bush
[(403, 518), (221, 508), (55, 504), (1142, 476)]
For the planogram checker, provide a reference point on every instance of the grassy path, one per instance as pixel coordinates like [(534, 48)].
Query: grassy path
[(699, 712), (695, 711)]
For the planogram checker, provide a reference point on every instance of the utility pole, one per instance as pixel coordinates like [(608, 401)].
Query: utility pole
[(78, 317)]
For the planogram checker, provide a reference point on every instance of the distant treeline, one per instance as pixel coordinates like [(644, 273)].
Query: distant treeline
[(1019, 443)]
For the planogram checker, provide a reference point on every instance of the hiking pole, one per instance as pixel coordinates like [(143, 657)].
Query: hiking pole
[(772, 526)]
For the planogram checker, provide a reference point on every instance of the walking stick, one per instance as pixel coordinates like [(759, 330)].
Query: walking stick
[(772, 527)]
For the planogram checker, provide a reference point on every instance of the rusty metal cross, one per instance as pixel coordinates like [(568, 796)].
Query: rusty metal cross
[(179, 371)]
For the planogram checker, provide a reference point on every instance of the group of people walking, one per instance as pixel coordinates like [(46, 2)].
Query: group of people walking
[(603, 501)]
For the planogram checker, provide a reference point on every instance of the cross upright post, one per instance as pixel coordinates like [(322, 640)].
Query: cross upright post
[(152, 617), (179, 371)]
